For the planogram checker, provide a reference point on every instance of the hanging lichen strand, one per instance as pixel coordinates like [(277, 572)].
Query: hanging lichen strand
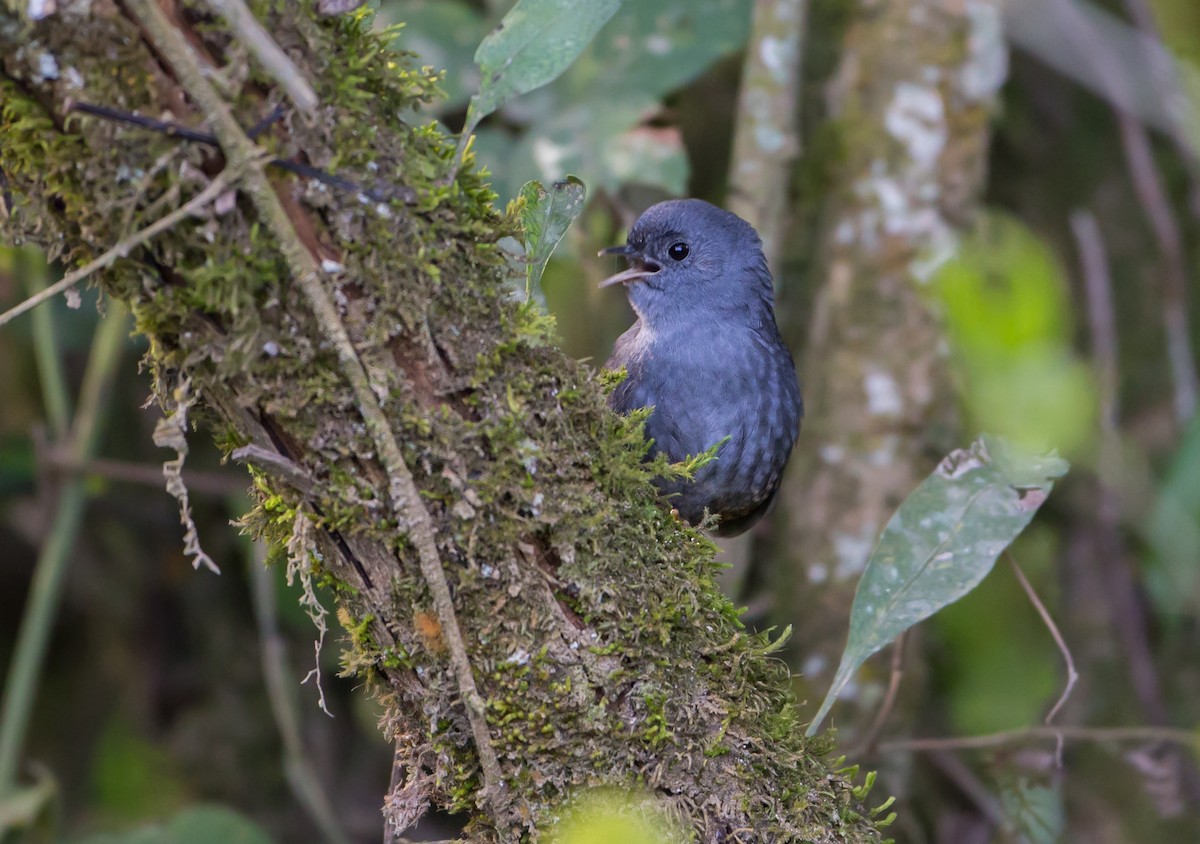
[(601, 650)]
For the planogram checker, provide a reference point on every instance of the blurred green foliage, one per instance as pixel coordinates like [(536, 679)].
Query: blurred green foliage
[(997, 664), (604, 816), (1173, 533), (602, 119), (197, 825), (1006, 313), (133, 777)]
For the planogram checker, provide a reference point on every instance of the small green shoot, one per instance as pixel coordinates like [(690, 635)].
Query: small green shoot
[(545, 216)]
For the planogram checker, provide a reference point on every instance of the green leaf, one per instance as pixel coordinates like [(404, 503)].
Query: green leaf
[(215, 823), (535, 42), (941, 543), (545, 217), (657, 47)]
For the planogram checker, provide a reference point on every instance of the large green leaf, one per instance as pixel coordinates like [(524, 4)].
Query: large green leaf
[(592, 120), (657, 46), (535, 42), (545, 217), (942, 541)]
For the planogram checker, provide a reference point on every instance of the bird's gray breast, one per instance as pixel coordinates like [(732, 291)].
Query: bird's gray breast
[(719, 382)]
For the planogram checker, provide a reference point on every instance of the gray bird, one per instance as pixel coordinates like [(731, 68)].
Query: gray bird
[(706, 354)]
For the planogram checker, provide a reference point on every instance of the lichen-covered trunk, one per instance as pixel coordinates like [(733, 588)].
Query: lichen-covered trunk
[(596, 648), (911, 100)]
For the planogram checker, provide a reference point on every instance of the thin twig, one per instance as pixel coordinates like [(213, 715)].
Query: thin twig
[(403, 492), (215, 188), (164, 127), (955, 770), (1128, 615), (275, 464), (269, 54), (1072, 674), (895, 675), (1102, 324), (144, 474), (386, 193), (1025, 734)]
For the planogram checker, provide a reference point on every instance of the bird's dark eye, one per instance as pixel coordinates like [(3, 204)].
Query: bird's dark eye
[(678, 251)]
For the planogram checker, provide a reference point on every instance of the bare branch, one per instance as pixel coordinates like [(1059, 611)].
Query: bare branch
[(1027, 734)]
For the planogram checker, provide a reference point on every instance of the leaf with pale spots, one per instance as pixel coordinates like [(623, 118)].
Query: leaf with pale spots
[(941, 542)]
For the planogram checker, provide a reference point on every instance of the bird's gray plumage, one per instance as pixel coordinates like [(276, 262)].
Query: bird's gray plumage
[(706, 354)]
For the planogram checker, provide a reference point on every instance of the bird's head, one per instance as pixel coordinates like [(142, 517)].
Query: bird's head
[(688, 259)]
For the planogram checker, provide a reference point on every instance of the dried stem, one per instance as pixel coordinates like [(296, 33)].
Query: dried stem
[(269, 54), (144, 474), (896, 674), (1072, 674)]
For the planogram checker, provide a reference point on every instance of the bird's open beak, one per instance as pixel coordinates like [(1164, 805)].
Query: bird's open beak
[(639, 267)]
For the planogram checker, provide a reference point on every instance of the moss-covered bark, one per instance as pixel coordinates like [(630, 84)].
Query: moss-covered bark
[(598, 643)]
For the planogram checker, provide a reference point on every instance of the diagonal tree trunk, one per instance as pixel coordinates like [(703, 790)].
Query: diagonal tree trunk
[(534, 620)]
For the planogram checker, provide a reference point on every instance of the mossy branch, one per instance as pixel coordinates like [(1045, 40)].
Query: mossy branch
[(531, 616), (242, 153)]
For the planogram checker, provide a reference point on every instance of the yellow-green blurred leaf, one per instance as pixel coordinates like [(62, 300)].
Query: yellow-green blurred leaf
[(605, 816)]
